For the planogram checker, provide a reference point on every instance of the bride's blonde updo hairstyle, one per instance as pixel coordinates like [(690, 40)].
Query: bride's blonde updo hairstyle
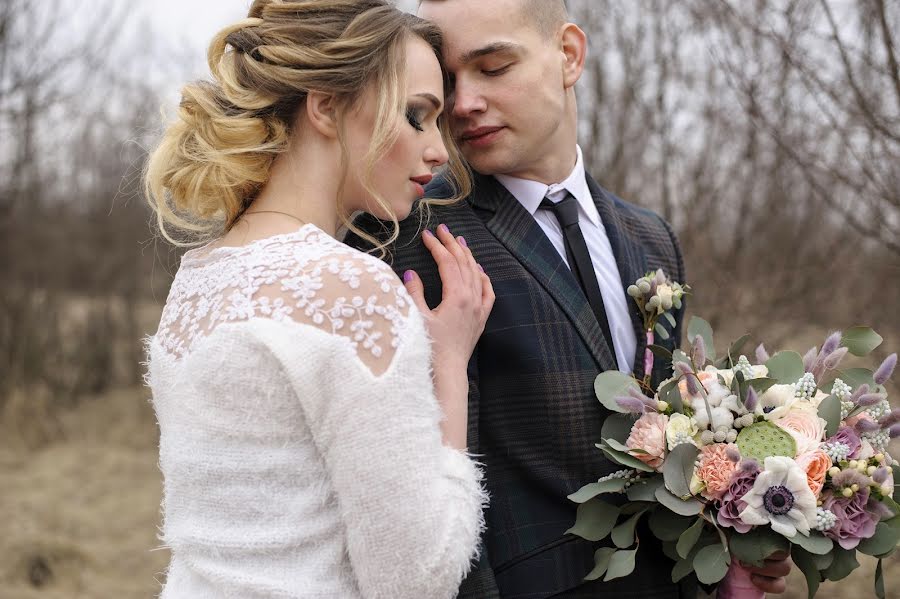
[(216, 156)]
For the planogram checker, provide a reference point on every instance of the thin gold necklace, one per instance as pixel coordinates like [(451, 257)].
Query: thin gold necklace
[(300, 220)]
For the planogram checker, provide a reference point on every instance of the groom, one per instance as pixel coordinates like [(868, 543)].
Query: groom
[(560, 251)]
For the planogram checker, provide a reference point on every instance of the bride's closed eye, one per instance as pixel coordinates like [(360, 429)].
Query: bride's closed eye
[(414, 117)]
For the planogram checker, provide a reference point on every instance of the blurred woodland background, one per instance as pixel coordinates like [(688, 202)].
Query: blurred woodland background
[(766, 131)]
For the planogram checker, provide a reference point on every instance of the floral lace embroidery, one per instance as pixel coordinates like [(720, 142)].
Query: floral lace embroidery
[(305, 276)]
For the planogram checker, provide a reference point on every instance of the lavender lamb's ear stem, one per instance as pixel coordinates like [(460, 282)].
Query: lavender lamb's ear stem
[(809, 359), (869, 399), (894, 431), (752, 400), (833, 359), (891, 419), (886, 369), (862, 390), (631, 404), (832, 343), (867, 426), (762, 356), (698, 351)]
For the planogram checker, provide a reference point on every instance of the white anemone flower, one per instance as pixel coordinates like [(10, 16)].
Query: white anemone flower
[(781, 498), (776, 401)]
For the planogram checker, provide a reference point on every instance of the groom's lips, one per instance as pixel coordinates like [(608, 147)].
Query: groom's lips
[(480, 137)]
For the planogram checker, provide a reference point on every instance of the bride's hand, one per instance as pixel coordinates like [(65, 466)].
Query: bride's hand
[(454, 326), (457, 323)]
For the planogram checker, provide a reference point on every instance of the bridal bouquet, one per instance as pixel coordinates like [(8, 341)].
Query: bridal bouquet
[(732, 461)]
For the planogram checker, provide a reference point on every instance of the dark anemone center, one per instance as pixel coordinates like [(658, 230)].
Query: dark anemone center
[(778, 500), (768, 409)]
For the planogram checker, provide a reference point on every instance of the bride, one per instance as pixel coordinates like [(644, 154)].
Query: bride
[(312, 408)]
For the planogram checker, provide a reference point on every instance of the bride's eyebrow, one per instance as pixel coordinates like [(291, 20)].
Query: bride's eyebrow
[(438, 105)]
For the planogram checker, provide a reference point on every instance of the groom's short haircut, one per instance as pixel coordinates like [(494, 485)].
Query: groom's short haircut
[(545, 15)]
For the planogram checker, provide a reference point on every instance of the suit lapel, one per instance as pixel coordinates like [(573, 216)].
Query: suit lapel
[(517, 230), (630, 260)]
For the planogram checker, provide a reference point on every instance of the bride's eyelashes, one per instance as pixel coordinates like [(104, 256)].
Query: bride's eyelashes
[(414, 118)]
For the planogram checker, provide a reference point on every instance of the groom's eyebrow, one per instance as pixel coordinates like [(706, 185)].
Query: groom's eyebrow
[(492, 48)]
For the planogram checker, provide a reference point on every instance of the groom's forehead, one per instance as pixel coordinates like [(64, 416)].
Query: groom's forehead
[(543, 15)]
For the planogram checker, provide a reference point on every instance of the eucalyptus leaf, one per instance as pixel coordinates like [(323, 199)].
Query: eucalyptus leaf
[(734, 350), (620, 564), (591, 490), (843, 564), (670, 394), (852, 376), (755, 546), (860, 341), (814, 543), (623, 534), (698, 326), (660, 352), (611, 384), (711, 563), (624, 459), (684, 566), (689, 538), (594, 520), (667, 526), (668, 548), (601, 563), (618, 426), (617, 446), (644, 489), (786, 367), (806, 564), (760, 385), (830, 411), (670, 318), (884, 540), (679, 356), (661, 331), (691, 507), (678, 469)]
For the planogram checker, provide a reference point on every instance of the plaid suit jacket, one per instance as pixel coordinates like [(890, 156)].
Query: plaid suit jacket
[(533, 416)]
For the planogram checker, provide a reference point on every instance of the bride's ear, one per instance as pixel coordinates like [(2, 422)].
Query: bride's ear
[(321, 111)]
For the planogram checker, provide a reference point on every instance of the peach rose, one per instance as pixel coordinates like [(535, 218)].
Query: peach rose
[(649, 434), (715, 470), (816, 463), (705, 378), (805, 426)]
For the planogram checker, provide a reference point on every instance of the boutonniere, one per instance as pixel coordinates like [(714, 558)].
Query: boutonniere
[(656, 295)]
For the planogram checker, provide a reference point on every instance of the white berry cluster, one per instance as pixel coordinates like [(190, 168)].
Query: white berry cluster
[(879, 410), (878, 439), (836, 450), (825, 519), (841, 389), (744, 367), (805, 388), (630, 477)]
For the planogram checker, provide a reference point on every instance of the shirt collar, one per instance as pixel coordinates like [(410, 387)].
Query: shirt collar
[(531, 193)]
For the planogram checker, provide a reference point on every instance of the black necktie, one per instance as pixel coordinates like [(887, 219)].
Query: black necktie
[(579, 258)]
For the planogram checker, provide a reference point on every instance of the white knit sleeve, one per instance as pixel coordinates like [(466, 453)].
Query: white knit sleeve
[(412, 506)]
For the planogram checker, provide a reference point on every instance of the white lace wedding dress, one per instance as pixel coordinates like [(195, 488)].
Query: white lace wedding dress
[(300, 442)]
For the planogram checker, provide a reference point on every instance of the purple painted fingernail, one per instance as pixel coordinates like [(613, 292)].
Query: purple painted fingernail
[(481, 268), (462, 241), (408, 276), (444, 228), (429, 233)]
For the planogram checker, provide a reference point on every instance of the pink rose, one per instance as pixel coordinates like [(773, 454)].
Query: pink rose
[(805, 427), (649, 434)]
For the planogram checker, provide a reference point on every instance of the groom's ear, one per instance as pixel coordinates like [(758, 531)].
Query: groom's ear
[(322, 113)]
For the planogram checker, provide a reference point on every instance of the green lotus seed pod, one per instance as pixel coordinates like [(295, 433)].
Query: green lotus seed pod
[(764, 439)]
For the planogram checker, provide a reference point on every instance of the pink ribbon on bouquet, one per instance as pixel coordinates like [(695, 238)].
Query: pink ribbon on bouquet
[(648, 355), (737, 584)]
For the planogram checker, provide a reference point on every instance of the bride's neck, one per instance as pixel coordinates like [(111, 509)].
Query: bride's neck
[(303, 183)]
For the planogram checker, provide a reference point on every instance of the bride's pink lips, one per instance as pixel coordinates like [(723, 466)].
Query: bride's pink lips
[(420, 182), (481, 137)]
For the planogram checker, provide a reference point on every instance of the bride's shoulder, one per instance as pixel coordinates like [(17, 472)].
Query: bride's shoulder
[(307, 278)]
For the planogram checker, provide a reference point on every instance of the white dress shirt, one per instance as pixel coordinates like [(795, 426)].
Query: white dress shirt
[(530, 194)]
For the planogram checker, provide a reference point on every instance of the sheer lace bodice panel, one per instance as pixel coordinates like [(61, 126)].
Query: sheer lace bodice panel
[(305, 277)]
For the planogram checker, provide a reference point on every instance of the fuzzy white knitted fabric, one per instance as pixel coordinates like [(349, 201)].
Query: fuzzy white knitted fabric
[(300, 443)]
